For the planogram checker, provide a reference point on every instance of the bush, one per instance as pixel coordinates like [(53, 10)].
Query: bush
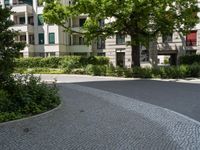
[(67, 62), (5, 103), (189, 59), (119, 71), (70, 62), (194, 70), (25, 96), (78, 71), (96, 70), (139, 72), (128, 72), (110, 70)]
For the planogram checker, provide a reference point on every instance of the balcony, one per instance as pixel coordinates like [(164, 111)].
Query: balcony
[(23, 28), (23, 22), (191, 40), (20, 6)]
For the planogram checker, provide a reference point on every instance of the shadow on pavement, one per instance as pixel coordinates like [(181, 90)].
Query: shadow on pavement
[(183, 98)]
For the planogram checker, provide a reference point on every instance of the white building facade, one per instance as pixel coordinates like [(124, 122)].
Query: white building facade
[(43, 40)]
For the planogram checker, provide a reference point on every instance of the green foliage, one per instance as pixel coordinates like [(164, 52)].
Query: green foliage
[(110, 70), (194, 70), (5, 103), (9, 49), (36, 62), (143, 20), (119, 71), (96, 70), (182, 71), (67, 62), (29, 96), (78, 71), (189, 59), (142, 72), (7, 116), (19, 95), (70, 62)]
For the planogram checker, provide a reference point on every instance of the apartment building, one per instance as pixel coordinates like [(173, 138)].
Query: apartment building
[(167, 47), (43, 40)]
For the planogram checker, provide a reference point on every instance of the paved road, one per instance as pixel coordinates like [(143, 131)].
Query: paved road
[(91, 119), (180, 97)]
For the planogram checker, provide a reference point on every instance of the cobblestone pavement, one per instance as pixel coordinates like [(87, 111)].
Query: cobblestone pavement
[(91, 119), (181, 97)]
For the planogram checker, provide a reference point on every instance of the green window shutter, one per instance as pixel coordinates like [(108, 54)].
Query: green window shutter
[(41, 38), (51, 38), (7, 2), (40, 19)]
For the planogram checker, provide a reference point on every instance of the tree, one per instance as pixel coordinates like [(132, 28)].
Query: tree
[(9, 48), (142, 20)]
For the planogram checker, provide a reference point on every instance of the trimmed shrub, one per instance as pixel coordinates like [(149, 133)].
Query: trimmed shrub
[(110, 70), (68, 62), (194, 70), (119, 71), (128, 72), (189, 59), (78, 71), (5, 102), (139, 72), (35, 62), (96, 70), (25, 96)]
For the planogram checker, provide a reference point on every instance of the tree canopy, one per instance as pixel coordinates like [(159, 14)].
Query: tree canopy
[(141, 19), (9, 48)]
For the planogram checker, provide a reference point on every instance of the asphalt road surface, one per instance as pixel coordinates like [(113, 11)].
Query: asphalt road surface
[(183, 98)]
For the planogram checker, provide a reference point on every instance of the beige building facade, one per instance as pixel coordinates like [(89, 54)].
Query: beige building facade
[(44, 40)]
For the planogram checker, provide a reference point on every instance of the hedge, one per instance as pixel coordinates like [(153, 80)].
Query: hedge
[(60, 62), (189, 59), (30, 97)]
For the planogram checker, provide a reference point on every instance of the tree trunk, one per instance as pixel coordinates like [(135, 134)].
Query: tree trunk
[(135, 52)]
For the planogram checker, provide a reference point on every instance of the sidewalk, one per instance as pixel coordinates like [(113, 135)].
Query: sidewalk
[(96, 119)]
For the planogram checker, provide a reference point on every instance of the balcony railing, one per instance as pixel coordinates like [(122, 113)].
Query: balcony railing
[(21, 2)]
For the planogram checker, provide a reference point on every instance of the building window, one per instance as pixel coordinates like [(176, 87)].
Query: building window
[(81, 41), (41, 38), (22, 20), (51, 38), (120, 39), (50, 54), (7, 2), (40, 19), (100, 43), (23, 38), (167, 38), (81, 22), (191, 39), (30, 20), (31, 39)]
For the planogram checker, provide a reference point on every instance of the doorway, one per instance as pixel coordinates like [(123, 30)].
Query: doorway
[(120, 59)]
